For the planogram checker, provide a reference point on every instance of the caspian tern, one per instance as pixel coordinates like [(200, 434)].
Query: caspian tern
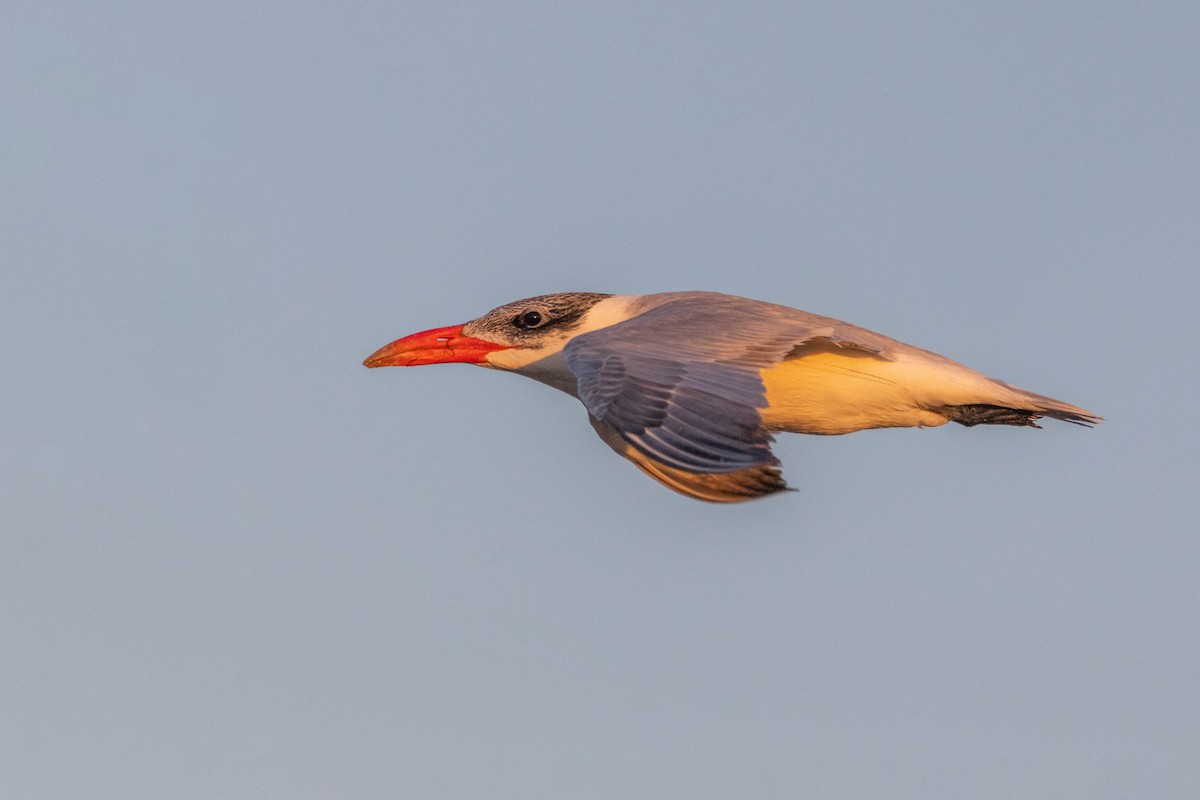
[(690, 386)]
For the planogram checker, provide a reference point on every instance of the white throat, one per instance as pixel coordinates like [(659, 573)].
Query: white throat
[(547, 363)]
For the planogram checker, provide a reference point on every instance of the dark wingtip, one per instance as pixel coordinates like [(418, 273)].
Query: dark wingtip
[(1083, 420), (982, 414), (726, 487)]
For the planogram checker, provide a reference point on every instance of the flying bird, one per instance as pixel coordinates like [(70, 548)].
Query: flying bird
[(691, 386)]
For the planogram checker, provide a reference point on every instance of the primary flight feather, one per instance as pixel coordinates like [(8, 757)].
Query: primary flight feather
[(690, 386)]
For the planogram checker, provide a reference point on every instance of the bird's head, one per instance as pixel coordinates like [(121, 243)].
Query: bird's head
[(509, 337)]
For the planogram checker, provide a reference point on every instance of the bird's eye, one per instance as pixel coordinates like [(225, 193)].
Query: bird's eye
[(530, 319)]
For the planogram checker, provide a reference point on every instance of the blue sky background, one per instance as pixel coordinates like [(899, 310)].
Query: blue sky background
[(236, 564)]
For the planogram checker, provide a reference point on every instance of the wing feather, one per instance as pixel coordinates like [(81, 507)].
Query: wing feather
[(681, 382)]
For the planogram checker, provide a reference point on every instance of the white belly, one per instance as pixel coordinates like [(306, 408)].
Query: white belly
[(826, 389), (832, 392)]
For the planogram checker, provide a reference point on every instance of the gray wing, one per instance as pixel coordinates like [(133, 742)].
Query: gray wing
[(681, 383), (725, 487), (690, 415)]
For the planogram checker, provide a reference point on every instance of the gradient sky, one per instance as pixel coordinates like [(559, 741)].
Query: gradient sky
[(236, 564)]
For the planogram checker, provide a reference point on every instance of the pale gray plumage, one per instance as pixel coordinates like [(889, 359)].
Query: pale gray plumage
[(681, 380), (689, 386)]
